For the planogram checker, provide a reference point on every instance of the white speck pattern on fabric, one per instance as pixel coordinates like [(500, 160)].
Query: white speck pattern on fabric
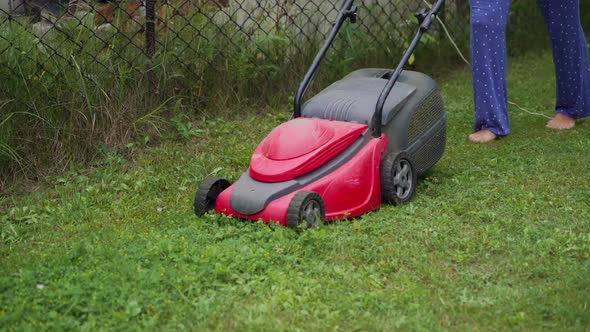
[(488, 56)]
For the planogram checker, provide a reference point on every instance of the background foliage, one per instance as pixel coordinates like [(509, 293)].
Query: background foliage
[(76, 83)]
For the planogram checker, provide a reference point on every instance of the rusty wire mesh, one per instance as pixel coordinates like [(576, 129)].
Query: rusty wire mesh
[(96, 36)]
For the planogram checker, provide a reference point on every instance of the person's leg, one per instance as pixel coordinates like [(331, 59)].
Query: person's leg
[(488, 56), (572, 65)]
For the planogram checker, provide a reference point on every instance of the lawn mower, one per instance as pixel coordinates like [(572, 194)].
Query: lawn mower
[(362, 141)]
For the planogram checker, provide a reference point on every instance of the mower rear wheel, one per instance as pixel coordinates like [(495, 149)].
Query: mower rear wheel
[(207, 194), (306, 208), (398, 178)]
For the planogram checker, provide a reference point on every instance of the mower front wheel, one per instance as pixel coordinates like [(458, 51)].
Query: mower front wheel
[(207, 194), (306, 208), (398, 178)]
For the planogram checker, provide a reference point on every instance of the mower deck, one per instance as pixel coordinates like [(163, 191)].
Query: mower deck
[(338, 160), (362, 141)]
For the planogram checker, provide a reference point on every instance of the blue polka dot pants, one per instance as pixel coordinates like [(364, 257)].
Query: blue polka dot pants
[(488, 55)]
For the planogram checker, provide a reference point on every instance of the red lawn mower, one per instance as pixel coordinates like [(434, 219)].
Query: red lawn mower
[(363, 140)]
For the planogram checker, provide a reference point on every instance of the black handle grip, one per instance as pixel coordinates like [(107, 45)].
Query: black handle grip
[(347, 11), (377, 120)]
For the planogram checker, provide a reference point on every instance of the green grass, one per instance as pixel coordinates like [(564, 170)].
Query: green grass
[(498, 237)]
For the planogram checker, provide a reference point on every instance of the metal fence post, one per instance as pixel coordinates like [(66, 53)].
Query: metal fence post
[(150, 43), (150, 27)]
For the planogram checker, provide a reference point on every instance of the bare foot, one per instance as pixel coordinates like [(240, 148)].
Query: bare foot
[(482, 136), (561, 122)]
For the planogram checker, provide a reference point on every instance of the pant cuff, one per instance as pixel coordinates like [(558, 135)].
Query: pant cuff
[(497, 131), (572, 113)]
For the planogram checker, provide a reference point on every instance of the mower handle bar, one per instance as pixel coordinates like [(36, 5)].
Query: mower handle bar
[(425, 19), (349, 11)]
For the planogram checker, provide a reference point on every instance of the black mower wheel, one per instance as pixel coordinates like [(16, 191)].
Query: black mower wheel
[(398, 178), (306, 207), (207, 194)]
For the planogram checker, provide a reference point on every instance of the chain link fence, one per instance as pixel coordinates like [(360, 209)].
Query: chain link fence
[(194, 40), (187, 37)]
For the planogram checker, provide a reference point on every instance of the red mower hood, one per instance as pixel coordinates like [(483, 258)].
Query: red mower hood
[(300, 146)]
